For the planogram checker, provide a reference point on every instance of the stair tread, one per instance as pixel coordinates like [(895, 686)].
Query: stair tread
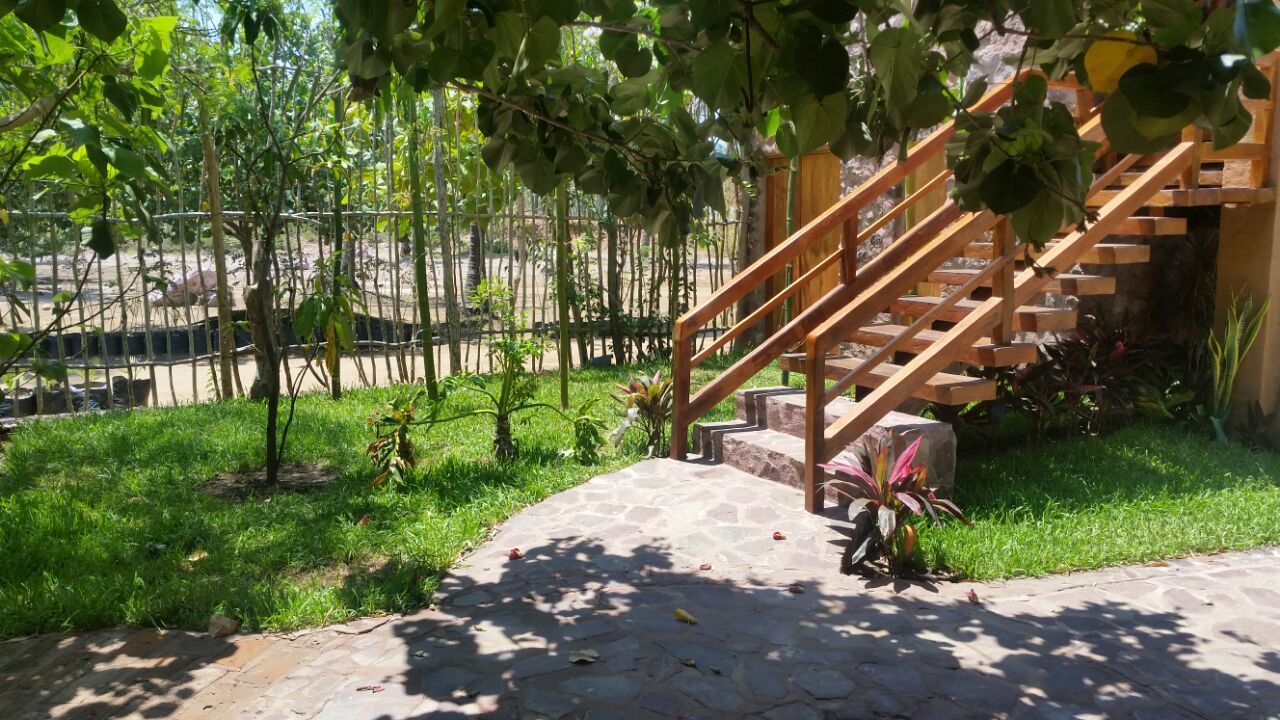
[(1027, 318), (1100, 254), (981, 352), (1063, 283), (943, 388)]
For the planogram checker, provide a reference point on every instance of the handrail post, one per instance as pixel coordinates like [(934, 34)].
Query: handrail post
[(815, 426), (849, 249), (1191, 176), (1002, 285), (681, 354)]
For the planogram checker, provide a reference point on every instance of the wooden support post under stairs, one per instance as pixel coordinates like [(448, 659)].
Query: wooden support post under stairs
[(1190, 179), (681, 366), (1003, 249)]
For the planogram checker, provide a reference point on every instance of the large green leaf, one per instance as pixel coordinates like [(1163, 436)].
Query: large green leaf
[(541, 44), (1257, 25), (102, 19), (446, 13), (633, 60), (718, 76), (1039, 220), (1172, 22), (818, 122), (41, 14), (897, 56), (1121, 124), (1050, 18)]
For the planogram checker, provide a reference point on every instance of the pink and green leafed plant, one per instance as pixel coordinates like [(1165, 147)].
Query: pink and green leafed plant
[(886, 492)]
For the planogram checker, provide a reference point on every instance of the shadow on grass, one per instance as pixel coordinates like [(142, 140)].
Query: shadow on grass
[(504, 649)]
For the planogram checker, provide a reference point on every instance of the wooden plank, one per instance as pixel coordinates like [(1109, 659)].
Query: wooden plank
[(983, 351), (1027, 318), (1101, 254), (1207, 178), (943, 388)]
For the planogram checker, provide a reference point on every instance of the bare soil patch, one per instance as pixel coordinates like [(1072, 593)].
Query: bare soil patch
[(296, 478)]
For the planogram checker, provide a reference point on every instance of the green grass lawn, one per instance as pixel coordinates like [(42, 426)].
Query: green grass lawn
[(103, 519), (1139, 494), (86, 503)]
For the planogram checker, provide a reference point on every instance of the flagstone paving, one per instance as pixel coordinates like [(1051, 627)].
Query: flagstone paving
[(780, 633)]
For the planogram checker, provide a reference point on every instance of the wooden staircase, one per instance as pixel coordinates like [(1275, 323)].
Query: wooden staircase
[(991, 307)]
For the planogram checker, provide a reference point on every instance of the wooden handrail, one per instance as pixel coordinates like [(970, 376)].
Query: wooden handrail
[(934, 358), (772, 304), (773, 261)]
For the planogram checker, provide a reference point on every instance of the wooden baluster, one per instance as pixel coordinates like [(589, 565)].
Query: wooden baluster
[(1191, 176), (681, 354), (1003, 246), (849, 250), (815, 427)]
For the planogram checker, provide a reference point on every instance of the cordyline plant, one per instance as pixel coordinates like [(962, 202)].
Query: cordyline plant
[(886, 492), (648, 404)]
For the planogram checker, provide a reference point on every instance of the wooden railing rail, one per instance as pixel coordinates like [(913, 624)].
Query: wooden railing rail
[(822, 444)]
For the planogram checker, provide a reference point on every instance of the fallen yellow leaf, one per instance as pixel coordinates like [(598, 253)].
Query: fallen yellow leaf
[(685, 617)]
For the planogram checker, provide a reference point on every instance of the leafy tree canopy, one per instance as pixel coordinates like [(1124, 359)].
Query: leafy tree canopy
[(859, 76)]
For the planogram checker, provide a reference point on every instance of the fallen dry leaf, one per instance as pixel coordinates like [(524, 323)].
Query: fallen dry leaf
[(689, 662), (515, 554), (796, 588), (704, 566), (779, 535), (369, 688), (364, 519), (197, 556), (583, 657), (1158, 563), (685, 617)]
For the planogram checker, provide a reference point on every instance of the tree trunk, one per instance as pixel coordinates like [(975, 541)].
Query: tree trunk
[(562, 290), (504, 447), (226, 327), (613, 281), (259, 300), (750, 248), (418, 207), (452, 320), (335, 372)]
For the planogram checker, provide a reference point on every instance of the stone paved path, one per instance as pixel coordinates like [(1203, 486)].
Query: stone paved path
[(605, 567)]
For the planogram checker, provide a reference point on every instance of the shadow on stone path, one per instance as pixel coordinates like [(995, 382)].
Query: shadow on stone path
[(607, 564)]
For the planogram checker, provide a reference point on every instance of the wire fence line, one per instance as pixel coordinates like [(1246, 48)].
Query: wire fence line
[(144, 328)]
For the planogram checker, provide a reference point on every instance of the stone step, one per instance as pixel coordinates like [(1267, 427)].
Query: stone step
[(1028, 318), (767, 438), (943, 388), (983, 352)]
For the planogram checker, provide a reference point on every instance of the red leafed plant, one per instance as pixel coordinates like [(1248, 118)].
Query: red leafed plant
[(886, 491)]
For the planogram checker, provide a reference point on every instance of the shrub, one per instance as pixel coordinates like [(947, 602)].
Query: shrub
[(886, 492)]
